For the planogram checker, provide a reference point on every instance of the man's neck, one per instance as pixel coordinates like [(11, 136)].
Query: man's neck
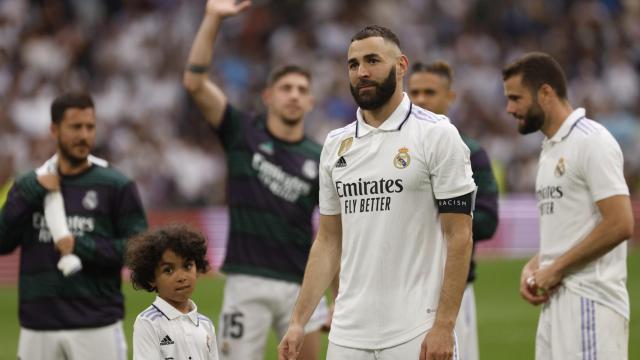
[(376, 117), (68, 168), (285, 132), (556, 117)]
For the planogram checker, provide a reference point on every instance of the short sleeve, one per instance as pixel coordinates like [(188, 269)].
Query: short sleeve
[(329, 203), (231, 127), (145, 341), (603, 167), (448, 163)]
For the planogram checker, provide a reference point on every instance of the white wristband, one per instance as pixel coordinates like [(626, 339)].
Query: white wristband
[(55, 215)]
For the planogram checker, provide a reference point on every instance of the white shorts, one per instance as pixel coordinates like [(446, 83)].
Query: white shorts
[(252, 305), (572, 327), (467, 326), (103, 343), (407, 350)]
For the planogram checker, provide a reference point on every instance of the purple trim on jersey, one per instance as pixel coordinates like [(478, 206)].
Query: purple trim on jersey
[(593, 328), (582, 327), (584, 129), (150, 311), (406, 116), (572, 127), (425, 117), (343, 130), (165, 315)]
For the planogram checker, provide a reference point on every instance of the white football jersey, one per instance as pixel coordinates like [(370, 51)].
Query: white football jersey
[(384, 183), (580, 165), (163, 332)]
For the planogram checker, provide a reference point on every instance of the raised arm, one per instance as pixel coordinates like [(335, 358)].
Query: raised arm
[(457, 231), (207, 95), (322, 267)]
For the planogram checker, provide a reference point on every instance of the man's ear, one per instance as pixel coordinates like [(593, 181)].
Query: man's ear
[(402, 65), (452, 96), (545, 93), (53, 130)]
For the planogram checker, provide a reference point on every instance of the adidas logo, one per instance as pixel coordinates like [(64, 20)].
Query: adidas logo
[(166, 341), (341, 162)]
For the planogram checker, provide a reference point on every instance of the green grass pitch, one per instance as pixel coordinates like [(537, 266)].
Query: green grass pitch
[(506, 323)]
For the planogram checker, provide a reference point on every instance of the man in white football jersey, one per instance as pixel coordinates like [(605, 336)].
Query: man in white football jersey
[(579, 273), (396, 194)]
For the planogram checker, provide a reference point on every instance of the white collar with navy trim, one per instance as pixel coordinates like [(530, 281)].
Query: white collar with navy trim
[(567, 125), (392, 123), (172, 313)]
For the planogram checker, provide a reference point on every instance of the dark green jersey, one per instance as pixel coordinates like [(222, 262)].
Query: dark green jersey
[(272, 191), (485, 215), (103, 209)]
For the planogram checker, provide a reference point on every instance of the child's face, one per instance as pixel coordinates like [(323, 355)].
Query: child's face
[(175, 279)]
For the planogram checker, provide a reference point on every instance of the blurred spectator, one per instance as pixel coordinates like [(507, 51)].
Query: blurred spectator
[(130, 53)]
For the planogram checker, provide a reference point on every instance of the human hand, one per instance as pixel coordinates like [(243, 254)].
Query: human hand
[(226, 8), (66, 244), (548, 279), (438, 344), (291, 343), (529, 290), (49, 181)]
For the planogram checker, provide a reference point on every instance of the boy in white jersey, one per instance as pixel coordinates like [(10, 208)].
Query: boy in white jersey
[(167, 261), (396, 196), (579, 273)]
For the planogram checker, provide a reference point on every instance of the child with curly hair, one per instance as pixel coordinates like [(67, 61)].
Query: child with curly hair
[(167, 261)]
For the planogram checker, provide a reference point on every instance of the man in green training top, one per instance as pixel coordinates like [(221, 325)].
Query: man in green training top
[(69, 310), (272, 191), (430, 88)]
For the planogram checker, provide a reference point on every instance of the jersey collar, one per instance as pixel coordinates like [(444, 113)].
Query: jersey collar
[(568, 125), (172, 313), (393, 123)]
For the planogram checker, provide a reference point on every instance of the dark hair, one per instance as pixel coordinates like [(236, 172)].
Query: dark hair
[(376, 31), (67, 101), (537, 69), (145, 250), (283, 70), (441, 68)]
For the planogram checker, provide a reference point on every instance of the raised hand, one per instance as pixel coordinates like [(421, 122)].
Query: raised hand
[(226, 8)]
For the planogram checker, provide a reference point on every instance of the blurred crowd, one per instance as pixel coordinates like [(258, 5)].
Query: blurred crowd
[(130, 55)]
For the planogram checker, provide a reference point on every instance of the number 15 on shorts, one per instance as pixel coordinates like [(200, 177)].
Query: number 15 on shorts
[(232, 325)]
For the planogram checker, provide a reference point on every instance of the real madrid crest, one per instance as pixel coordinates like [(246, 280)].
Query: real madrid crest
[(560, 168), (402, 158), (345, 145), (90, 200), (310, 169)]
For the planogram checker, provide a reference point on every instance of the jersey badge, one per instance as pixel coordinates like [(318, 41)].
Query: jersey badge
[(560, 168), (402, 158), (310, 169), (345, 145), (90, 200)]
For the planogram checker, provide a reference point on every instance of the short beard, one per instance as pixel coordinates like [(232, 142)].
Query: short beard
[(382, 92), (290, 121), (74, 161), (533, 119)]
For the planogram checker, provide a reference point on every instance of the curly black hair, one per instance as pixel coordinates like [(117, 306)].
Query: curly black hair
[(145, 250)]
